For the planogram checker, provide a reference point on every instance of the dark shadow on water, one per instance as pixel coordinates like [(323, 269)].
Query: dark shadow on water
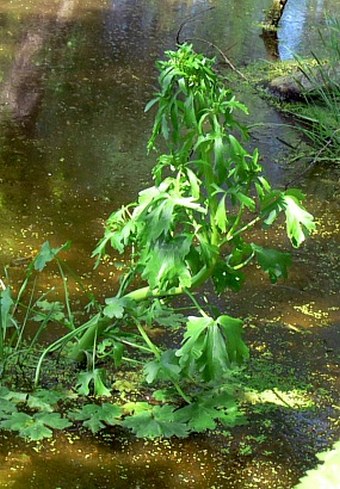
[(190, 463)]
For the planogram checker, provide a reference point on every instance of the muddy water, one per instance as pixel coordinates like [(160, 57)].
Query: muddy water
[(91, 464), (84, 70), (82, 151)]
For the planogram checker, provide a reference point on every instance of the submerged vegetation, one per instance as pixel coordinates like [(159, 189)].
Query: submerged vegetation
[(192, 227)]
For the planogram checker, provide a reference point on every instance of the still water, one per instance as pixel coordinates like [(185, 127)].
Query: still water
[(77, 75)]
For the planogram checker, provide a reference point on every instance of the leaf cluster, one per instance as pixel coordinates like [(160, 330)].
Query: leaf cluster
[(193, 225), (36, 426), (209, 190)]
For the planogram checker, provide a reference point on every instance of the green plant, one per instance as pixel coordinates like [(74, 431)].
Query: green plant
[(192, 226), (18, 311), (96, 417), (41, 419), (209, 191)]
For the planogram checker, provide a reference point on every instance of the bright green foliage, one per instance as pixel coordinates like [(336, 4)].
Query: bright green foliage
[(14, 397), (40, 424), (6, 407), (47, 254), (36, 427), (156, 421), (7, 303), (43, 400), (92, 381), (326, 475), (96, 417), (177, 229), (199, 416), (144, 419), (162, 315), (14, 343), (194, 224), (115, 307), (166, 367), (157, 311), (298, 221), (7, 321), (212, 346), (210, 408), (273, 262), (112, 349)]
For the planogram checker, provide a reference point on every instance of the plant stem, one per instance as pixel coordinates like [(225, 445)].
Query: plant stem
[(155, 350), (132, 360), (181, 392), (93, 322), (22, 329), (135, 345), (230, 237), (90, 328), (67, 297), (198, 307), (138, 295)]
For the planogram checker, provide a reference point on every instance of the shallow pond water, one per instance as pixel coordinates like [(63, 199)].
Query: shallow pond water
[(91, 464), (83, 71)]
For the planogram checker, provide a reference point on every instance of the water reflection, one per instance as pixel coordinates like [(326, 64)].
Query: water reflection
[(93, 84), (301, 23), (292, 28), (92, 463)]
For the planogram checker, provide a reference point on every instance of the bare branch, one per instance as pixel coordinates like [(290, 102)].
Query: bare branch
[(187, 20), (224, 56)]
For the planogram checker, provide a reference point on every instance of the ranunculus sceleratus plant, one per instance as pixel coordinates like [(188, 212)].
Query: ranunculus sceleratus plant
[(193, 226)]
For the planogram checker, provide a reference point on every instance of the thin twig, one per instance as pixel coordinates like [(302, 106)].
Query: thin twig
[(189, 19), (224, 56), (211, 44)]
